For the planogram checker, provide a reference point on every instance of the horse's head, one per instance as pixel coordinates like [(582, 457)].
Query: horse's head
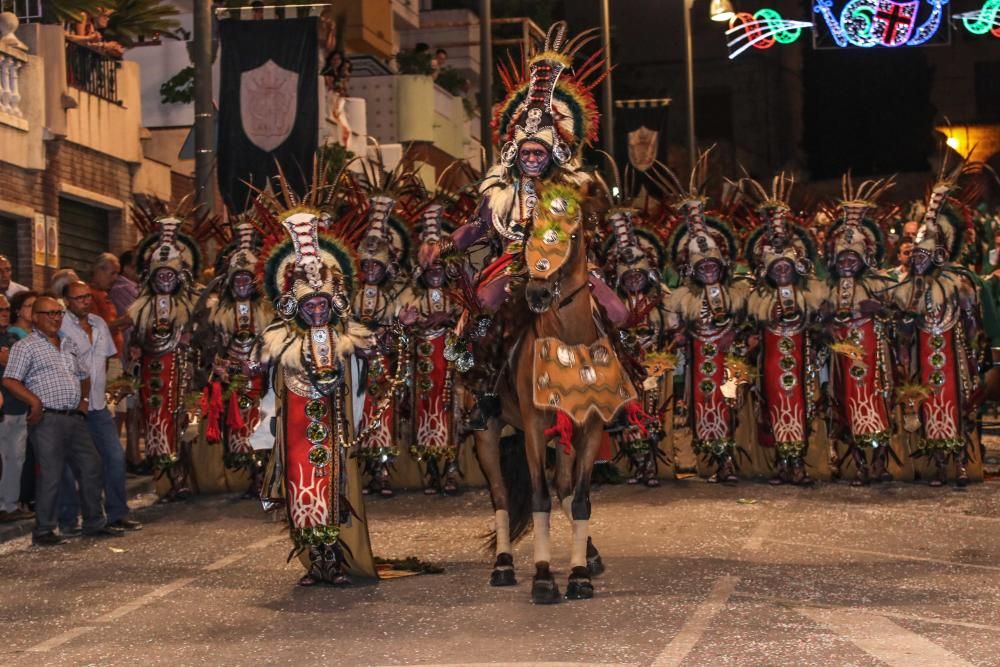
[(554, 245)]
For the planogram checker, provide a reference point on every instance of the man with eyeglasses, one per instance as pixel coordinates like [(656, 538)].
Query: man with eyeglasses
[(44, 371), (7, 285), (95, 344)]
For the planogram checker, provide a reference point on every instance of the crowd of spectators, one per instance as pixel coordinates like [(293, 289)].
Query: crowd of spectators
[(61, 455)]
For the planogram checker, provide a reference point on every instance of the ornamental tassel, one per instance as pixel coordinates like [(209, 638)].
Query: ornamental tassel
[(211, 407), (638, 417), (563, 431), (235, 417)]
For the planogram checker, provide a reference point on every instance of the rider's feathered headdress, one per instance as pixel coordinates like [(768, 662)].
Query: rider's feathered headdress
[(547, 100)]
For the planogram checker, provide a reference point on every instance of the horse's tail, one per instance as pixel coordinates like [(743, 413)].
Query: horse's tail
[(517, 481)]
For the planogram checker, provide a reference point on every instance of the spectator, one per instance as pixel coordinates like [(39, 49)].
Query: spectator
[(93, 341), (257, 10), (60, 279), (439, 61), (21, 306), (903, 252), (910, 228), (124, 291), (7, 286), (13, 432), (44, 371), (102, 279)]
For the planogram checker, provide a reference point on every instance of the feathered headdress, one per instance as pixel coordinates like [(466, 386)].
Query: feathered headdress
[(695, 236), (386, 239), (777, 236), (547, 100), (942, 230), (299, 260), (855, 230), (173, 237)]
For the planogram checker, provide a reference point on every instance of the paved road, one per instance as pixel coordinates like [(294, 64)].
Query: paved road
[(697, 575)]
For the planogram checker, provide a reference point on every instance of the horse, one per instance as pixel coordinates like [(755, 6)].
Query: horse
[(560, 329)]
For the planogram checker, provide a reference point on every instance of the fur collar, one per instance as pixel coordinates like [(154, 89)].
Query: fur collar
[(283, 343)]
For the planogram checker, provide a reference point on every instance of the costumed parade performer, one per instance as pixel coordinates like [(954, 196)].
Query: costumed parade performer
[(636, 257), (232, 405), (783, 307), (309, 277), (939, 333), (168, 260), (861, 365), (428, 311), (707, 311), (383, 252)]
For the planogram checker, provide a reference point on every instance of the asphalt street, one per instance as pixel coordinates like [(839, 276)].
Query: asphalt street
[(697, 575)]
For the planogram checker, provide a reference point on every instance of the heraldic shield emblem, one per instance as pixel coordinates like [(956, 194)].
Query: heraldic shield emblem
[(268, 102), (642, 145)]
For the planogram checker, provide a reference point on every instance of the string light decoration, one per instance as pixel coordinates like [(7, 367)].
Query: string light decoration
[(762, 30), (984, 20), (880, 23), (860, 24)]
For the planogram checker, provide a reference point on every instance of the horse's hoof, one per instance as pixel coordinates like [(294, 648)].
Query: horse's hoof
[(579, 589), (579, 586), (503, 577), (544, 591), (595, 565)]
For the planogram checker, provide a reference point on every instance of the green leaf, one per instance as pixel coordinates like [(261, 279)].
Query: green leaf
[(134, 19)]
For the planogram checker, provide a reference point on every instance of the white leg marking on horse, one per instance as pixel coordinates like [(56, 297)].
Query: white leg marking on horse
[(882, 639), (567, 505), (697, 623), (543, 543), (503, 532), (578, 556)]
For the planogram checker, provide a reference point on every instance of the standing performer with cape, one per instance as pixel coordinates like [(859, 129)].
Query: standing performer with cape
[(309, 276)]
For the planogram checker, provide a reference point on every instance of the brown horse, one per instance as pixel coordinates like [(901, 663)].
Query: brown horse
[(563, 329)]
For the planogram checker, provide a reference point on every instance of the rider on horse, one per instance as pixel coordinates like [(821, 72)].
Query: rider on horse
[(543, 123)]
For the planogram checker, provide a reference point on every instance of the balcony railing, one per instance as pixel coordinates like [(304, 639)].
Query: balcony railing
[(10, 93), (92, 71), (27, 11)]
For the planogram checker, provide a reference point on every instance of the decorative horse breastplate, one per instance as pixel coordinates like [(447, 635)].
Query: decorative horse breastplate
[(579, 379)]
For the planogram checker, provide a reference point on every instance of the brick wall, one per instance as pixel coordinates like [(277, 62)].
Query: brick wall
[(40, 190), (99, 173), (25, 188)]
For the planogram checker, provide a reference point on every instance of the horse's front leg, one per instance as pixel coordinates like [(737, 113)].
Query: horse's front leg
[(543, 586), (580, 586), (565, 489), (488, 453)]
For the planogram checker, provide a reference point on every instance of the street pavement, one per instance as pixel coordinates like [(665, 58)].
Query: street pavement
[(901, 575)]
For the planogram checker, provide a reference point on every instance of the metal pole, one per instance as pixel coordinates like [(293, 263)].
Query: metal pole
[(689, 62), (608, 101), (204, 113), (486, 77)]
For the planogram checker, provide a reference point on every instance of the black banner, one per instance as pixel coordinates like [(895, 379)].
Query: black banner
[(640, 136), (268, 104)]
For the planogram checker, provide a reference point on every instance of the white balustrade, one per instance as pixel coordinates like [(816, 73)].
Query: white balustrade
[(10, 93)]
